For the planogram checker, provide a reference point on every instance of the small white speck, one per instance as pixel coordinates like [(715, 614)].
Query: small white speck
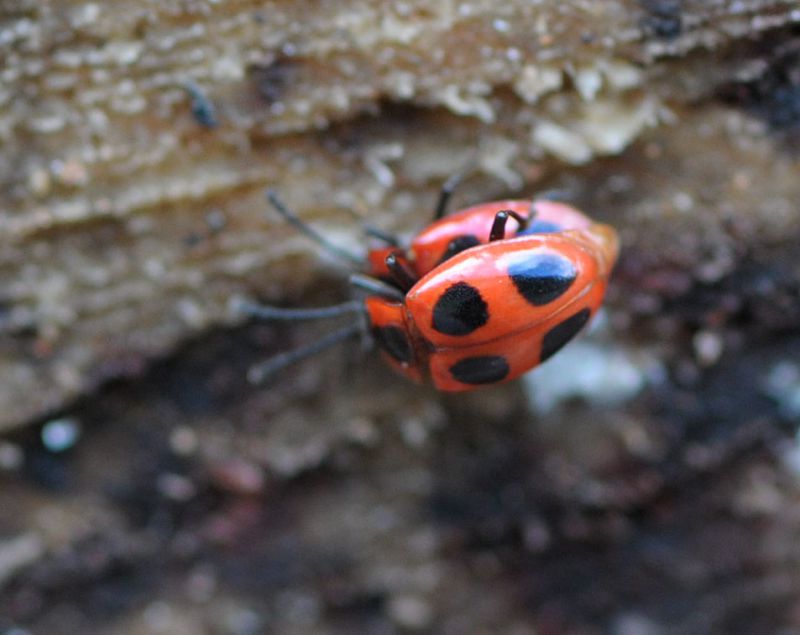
[(683, 201), (85, 15), (376, 159), (501, 26), (60, 435), (588, 81), (183, 441), (410, 611), (513, 54), (154, 268), (176, 487), (708, 347)]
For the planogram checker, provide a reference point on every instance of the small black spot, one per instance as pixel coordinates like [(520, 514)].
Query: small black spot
[(459, 244), (663, 18), (460, 310), (202, 107), (486, 369), (393, 340), (540, 227), (272, 81), (542, 277), (562, 333)]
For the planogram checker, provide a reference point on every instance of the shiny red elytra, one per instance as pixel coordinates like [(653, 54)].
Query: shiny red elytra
[(478, 297)]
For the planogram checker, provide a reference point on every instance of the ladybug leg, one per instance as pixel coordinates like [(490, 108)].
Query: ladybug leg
[(445, 193), (400, 272), (295, 221), (270, 367), (376, 287), (376, 232), (265, 312), (498, 231), (373, 231)]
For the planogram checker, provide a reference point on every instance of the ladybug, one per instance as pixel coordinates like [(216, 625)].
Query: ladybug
[(477, 297)]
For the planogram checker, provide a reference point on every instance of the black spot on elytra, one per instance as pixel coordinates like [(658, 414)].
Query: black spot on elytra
[(394, 341), (542, 277), (561, 333), (457, 245), (460, 310), (486, 369)]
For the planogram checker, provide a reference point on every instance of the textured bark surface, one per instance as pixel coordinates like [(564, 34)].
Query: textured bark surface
[(128, 221), (643, 481)]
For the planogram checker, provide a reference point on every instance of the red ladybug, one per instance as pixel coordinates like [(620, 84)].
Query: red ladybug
[(478, 297)]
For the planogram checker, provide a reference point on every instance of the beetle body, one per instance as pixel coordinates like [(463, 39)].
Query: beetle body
[(478, 297), (490, 311)]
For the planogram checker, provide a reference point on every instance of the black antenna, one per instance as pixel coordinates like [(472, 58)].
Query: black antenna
[(374, 231), (268, 368), (401, 273), (498, 231), (295, 221), (444, 195)]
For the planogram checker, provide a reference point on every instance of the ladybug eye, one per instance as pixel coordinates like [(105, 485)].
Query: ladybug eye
[(542, 277)]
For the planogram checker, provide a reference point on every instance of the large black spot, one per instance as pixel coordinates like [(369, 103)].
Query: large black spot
[(486, 369), (393, 340), (542, 277), (457, 245), (460, 310), (562, 333)]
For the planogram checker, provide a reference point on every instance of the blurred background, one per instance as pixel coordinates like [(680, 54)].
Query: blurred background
[(646, 480)]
